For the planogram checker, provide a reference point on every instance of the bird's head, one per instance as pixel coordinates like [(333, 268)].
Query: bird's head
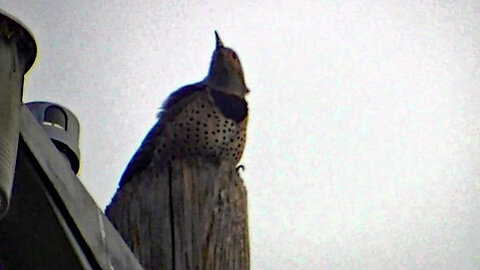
[(226, 73)]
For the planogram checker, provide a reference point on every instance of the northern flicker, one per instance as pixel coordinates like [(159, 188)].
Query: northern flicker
[(208, 118)]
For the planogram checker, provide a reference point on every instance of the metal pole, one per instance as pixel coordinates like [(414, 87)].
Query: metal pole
[(17, 54)]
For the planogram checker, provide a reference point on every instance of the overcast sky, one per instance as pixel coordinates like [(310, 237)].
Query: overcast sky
[(363, 148)]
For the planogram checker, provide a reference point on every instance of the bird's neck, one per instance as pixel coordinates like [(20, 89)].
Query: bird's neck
[(228, 84)]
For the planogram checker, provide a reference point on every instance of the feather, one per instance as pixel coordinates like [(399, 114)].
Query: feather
[(231, 106), (144, 154)]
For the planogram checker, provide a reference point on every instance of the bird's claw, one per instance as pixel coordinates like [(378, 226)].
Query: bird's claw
[(240, 167)]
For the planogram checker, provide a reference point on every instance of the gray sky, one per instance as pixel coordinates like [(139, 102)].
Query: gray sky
[(363, 145)]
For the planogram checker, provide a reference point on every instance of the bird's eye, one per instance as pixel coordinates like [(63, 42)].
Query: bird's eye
[(234, 55)]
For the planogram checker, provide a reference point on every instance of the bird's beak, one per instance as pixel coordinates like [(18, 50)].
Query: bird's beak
[(219, 41)]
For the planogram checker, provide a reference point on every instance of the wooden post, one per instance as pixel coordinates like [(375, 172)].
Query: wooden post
[(191, 214)]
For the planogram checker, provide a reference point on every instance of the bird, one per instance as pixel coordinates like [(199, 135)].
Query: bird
[(208, 118)]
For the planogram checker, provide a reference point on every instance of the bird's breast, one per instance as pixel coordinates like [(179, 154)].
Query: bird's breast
[(200, 128)]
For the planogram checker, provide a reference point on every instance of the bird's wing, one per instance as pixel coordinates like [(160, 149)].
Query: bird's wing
[(170, 108)]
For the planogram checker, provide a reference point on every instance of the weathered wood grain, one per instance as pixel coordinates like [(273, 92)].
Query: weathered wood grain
[(190, 214)]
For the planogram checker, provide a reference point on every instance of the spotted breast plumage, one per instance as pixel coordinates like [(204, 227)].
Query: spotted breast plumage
[(208, 118)]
